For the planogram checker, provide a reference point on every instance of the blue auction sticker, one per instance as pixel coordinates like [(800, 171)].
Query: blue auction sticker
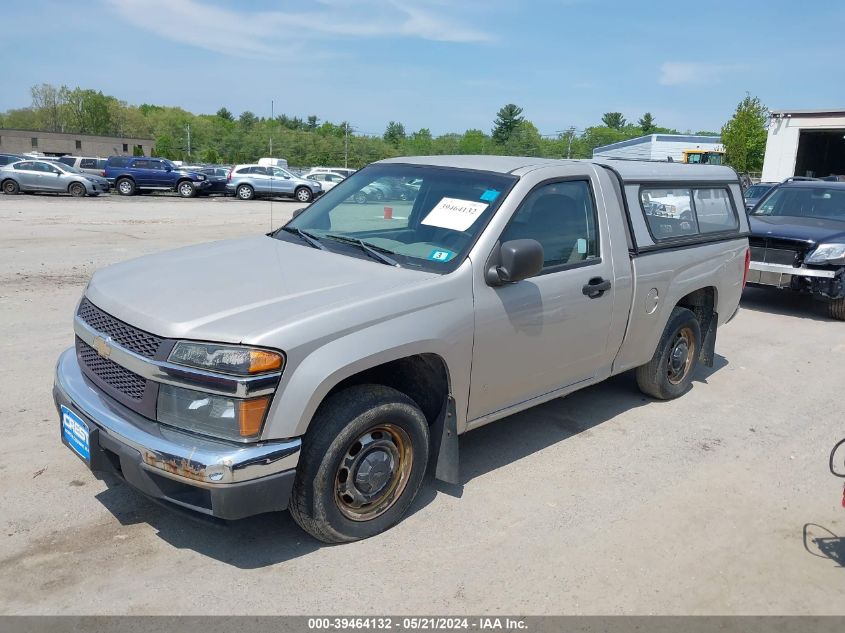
[(489, 195), (440, 255)]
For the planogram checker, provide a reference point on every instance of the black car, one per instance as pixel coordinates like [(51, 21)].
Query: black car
[(755, 193), (218, 177), (798, 241), (7, 159)]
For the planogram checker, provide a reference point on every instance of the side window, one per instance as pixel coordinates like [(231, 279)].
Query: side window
[(258, 171), (681, 212), (25, 166), (562, 217), (157, 165), (88, 163), (141, 164), (67, 160), (713, 210)]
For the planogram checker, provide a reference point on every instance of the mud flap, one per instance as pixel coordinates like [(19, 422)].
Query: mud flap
[(708, 345), (444, 445)]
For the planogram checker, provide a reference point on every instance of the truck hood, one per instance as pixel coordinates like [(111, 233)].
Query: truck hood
[(238, 290), (810, 230)]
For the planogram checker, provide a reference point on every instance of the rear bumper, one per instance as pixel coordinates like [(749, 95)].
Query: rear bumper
[(219, 479)]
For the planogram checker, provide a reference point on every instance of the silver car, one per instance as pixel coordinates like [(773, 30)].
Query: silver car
[(52, 177), (248, 181)]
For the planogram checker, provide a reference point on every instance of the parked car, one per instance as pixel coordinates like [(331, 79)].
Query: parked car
[(86, 164), (273, 162), (218, 177), (249, 181), (343, 171), (798, 241), (6, 159), (51, 177), (327, 179), (130, 174), (756, 192), (319, 367)]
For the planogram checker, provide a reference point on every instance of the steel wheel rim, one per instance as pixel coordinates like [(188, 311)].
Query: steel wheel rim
[(77, 190), (125, 187), (373, 472), (9, 187), (681, 354), (185, 189)]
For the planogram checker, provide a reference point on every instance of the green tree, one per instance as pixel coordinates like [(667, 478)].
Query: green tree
[(247, 120), (312, 122), (744, 136), (394, 133), (613, 120), (507, 119), (473, 142), (646, 123), (524, 140), (210, 155), (224, 114)]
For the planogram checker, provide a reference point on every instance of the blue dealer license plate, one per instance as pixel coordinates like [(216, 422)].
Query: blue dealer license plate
[(76, 433)]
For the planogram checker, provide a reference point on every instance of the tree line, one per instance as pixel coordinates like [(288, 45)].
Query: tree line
[(223, 137)]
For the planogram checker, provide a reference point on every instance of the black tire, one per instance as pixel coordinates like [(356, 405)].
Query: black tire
[(186, 189), (125, 187), (376, 420), (244, 192), (836, 309), (379, 196), (10, 187), (303, 194), (670, 371), (360, 197), (77, 190)]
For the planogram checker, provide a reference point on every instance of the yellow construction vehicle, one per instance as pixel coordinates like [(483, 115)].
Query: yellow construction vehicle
[(703, 157)]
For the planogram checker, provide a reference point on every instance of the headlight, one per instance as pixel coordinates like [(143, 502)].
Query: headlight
[(210, 414), (200, 177), (227, 359), (833, 254)]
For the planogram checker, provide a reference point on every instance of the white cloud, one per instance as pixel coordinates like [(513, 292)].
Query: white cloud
[(244, 33), (682, 73)]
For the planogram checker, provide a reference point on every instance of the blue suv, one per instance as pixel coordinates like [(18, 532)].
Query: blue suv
[(130, 174)]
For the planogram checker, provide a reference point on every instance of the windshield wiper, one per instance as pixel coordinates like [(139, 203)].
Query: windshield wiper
[(307, 237), (374, 251)]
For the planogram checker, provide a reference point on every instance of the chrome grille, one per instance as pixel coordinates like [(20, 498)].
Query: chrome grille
[(119, 378), (131, 338), (773, 251)]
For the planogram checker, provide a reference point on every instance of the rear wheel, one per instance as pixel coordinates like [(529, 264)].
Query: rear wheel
[(10, 187), (126, 187), (77, 190), (186, 189), (360, 197), (362, 463), (836, 309), (245, 192), (303, 194), (670, 371)]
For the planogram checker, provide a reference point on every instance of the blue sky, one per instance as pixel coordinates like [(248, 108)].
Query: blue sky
[(445, 65)]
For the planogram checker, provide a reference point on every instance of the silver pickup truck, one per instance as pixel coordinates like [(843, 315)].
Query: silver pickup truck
[(327, 366)]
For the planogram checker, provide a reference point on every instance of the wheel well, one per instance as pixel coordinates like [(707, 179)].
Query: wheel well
[(5, 180), (423, 378), (181, 180), (74, 183), (124, 177), (699, 301), (703, 303)]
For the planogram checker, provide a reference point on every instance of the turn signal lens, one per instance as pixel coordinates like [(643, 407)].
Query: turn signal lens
[(251, 415), (261, 361)]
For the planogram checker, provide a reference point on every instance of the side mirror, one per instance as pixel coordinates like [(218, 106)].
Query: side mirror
[(514, 261), (297, 213)]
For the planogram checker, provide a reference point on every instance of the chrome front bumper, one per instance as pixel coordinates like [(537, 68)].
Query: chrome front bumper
[(780, 275), (224, 469)]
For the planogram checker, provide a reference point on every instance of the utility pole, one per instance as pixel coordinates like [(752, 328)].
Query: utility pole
[(346, 144), (272, 118), (188, 128), (569, 146)]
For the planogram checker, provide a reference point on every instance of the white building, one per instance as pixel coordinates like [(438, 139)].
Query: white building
[(659, 147), (804, 143)]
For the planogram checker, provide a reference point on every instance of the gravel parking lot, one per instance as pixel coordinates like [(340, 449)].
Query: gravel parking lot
[(601, 502)]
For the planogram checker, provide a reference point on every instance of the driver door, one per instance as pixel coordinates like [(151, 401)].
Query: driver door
[(282, 183), (545, 333)]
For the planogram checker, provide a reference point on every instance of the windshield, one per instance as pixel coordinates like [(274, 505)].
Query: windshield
[(68, 168), (805, 202), (756, 191), (425, 217)]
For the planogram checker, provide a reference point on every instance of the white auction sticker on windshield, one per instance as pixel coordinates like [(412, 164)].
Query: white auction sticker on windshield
[(455, 214)]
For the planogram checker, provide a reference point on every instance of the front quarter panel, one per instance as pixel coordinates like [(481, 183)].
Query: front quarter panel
[(433, 317)]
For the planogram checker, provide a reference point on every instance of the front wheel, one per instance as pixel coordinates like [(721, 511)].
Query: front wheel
[(77, 190), (670, 371), (10, 187), (836, 309), (303, 194), (362, 463), (186, 189)]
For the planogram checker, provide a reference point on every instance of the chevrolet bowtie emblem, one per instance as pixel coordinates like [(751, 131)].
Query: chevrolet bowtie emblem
[(102, 346)]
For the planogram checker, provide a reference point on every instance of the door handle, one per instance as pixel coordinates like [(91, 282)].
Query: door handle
[(596, 287)]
